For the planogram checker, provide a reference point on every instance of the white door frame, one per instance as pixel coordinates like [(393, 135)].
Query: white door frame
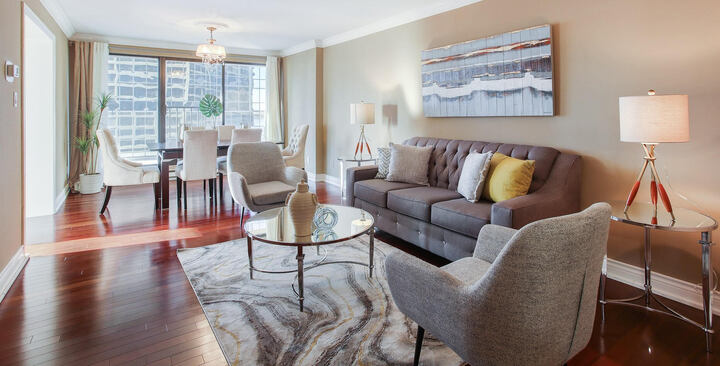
[(29, 14)]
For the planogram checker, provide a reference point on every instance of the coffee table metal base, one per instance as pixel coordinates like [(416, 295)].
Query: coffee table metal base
[(300, 291)]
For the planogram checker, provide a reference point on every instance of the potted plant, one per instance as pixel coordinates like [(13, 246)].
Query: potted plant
[(211, 106), (90, 179)]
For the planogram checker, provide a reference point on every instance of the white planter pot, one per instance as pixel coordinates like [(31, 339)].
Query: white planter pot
[(91, 183)]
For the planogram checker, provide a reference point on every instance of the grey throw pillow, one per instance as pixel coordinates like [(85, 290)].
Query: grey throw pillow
[(473, 175), (383, 162), (409, 164)]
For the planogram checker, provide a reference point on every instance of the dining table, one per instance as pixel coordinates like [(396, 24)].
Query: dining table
[(168, 153)]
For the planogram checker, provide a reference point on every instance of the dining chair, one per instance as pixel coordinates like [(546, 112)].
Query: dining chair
[(525, 297), (239, 135), (225, 132), (294, 153), (121, 172), (199, 156)]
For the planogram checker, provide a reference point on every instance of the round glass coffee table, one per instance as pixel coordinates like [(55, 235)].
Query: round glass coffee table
[(275, 227)]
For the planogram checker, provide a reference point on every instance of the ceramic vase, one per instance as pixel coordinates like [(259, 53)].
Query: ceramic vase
[(302, 204)]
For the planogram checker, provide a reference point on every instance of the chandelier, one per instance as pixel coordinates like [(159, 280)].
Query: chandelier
[(210, 52)]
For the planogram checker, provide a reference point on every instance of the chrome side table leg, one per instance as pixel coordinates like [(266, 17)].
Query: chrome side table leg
[(603, 279), (250, 255), (371, 262), (648, 261), (301, 285), (707, 286)]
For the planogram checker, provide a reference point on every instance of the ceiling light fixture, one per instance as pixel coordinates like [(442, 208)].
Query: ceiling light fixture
[(210, 52)]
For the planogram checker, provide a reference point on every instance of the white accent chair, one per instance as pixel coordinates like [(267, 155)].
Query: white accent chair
[(121, 172), (238, 135), (258, 178), (294, 153), (199, 157)]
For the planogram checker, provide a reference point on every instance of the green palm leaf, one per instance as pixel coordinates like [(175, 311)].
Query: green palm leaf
[(211, 106)]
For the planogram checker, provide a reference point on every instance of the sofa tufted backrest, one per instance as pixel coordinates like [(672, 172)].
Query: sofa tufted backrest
[(448, 157)]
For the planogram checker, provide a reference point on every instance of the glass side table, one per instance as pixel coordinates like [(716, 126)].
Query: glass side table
[(641, 214), (344, 161)]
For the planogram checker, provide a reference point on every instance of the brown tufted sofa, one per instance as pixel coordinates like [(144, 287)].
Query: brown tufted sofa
[(439, 219)]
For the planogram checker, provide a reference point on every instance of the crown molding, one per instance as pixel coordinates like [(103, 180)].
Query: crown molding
[(58, 14), (301, 47), (381, 25), (167, 45)]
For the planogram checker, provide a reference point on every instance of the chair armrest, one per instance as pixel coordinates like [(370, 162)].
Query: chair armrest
[(132, 163), (422, 291), (560, 195), (239, 190), (356, 174), (491, 240), (294, 175)]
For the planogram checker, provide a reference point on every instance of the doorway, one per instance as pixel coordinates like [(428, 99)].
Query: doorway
[(38, 80)]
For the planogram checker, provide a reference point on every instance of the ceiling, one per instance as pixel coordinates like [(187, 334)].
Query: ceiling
[(267, 26)]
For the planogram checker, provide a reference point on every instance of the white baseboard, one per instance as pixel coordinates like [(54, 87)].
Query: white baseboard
[(681, 291), (329, 179), (11, 271), (60, 199)]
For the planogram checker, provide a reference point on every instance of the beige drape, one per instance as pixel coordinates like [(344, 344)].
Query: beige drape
[(81, 99)]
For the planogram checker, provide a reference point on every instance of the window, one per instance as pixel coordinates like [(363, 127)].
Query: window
[(135, 116)]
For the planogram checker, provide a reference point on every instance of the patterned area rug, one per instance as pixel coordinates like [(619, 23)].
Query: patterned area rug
[(349, 318)]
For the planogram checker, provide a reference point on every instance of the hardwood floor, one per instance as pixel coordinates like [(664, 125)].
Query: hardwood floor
[(112, 291)]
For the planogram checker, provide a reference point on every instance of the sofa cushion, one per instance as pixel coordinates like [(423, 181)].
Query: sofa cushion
[(461, 216), (375, 190), (416, 202), (268, 193)]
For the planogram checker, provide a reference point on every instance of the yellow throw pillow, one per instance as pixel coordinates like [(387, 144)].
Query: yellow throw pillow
[(509, 178), (494, 161)]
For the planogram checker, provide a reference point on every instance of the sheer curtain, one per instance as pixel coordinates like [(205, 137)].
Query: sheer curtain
[(273, 129), (100, 52)]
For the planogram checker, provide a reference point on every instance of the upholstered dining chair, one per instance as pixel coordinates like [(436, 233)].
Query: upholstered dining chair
[(238, 135), (294, 153), (121, 172), (225, 132), (258, 178), (199, 154), (526, 297)]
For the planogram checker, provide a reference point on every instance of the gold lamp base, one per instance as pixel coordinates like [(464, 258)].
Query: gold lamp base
[(655, 184)]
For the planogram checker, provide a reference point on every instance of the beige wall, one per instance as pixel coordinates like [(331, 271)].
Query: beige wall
[(302, 98), (11, 216), (602, 50), (10, 165)]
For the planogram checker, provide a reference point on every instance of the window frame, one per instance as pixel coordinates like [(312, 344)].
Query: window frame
[(162, 79)]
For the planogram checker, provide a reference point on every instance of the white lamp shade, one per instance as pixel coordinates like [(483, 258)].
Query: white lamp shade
[(210, 49), (362, 113), (654, 119)]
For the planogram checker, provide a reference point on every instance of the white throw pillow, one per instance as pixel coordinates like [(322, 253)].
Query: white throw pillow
[(472, 177), (409, 164), (383, 162)]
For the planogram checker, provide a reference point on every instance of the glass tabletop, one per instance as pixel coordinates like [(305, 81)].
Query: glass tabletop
[(641, 214), (276, 227)]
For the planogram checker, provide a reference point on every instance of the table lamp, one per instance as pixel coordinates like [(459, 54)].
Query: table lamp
[(363, 114), (650, 120)]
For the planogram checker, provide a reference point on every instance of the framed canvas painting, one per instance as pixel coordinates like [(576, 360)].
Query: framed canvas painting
[(508, 74)]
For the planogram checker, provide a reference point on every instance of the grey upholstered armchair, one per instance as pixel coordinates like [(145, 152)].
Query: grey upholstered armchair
[(258, 178), (526, 297)]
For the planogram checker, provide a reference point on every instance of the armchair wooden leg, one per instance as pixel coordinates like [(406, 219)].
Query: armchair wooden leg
[(418, 345), (211, 187), (242, 217), (108, 192), (185, 194), (204, 186)]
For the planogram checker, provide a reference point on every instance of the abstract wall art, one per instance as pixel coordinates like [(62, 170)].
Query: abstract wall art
[(508, 74)]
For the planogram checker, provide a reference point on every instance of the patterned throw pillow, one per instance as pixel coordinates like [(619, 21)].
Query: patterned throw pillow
[(473, 175), (383, 162)]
